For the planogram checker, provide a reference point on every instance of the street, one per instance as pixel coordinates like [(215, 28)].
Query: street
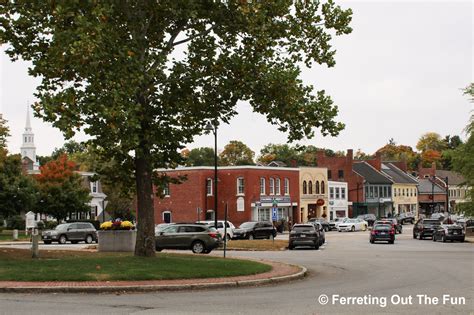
[(411, 272)]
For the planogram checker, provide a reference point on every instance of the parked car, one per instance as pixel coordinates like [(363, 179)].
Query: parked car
[(334, 223), (425, 228), (406, 217), (382, 232), (321, 230), (304, 235), (465, 222), (352, 225), (451, 232), (368, 217), (71, 232), (200, 238), (393, 222), (323, 222), (253, 230), (160, 227), (220, 227)]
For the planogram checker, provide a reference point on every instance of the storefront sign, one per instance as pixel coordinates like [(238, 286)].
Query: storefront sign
[(320, 202), (275, 200)]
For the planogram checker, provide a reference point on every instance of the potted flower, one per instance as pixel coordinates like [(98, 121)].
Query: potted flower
[(117, 236)]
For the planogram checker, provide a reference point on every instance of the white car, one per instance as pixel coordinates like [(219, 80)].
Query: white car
[(352, 225), (220, 227)]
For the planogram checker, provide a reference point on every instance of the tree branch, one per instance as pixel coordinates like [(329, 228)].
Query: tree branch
[(194, 36)]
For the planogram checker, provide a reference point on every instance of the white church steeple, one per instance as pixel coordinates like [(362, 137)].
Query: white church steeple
[(28, 148)]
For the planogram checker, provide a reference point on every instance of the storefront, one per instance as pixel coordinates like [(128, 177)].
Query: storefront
[(279, 208)]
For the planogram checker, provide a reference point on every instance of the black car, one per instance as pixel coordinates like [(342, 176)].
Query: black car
[(254, 230), (382, 232), (368, 217), (323, 222), (451, 232), (406, 217), (425, 228), (201, 239), (394, 222), (304, 235)]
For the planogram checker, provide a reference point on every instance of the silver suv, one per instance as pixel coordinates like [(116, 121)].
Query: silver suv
[(73, 232)]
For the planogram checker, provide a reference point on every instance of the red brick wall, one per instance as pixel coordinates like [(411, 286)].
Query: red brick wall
[(186, 197)]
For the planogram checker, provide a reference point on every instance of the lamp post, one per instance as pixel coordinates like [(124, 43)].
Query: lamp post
[(213, 128)]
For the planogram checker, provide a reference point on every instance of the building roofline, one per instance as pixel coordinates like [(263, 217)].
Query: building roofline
[(254, 167)]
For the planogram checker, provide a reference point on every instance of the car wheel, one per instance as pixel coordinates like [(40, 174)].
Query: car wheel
[(371, 241), (339, 230), (400, 232), (62, 239), (462, 240), (228, 238), (434, 238), (47, 242), (250, 237), (198, 247), (353, 228), (158, 249), (290, 247), (414, 236), (420, 236), (444, 238), (89, 239), (391, 242), (316, 245)]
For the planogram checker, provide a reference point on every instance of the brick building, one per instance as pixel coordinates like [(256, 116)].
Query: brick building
[(250, 193)]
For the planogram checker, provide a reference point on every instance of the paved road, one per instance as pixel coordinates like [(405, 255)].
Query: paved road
[(347, 266)]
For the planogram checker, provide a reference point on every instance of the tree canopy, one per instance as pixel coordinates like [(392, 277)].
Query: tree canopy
[(236, 153), (199, 157), (110, 68), (4, 133), (431, 141)]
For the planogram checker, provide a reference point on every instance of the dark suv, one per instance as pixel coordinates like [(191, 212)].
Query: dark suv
[(253, 230), (393, 222), (305, 235), (200, 238), (425, 227), (73, 232)]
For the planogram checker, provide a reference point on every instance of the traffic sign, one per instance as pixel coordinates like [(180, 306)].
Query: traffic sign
[(274, 214)]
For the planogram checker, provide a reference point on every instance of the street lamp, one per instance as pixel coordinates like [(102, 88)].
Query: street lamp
[(213, 128)]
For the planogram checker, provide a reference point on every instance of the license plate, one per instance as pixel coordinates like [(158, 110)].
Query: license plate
[(303, 235), (455, 232), (383, 233)]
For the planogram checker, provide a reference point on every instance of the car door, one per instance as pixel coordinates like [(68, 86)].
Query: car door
[(258, 230), (73, 232), (185, 236), (167, 237)]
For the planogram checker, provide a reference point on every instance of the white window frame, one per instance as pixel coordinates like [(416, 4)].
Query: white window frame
[(166, 190), (331, 192), (95, 185), (343, 193), (277, 186), (240, 186), (272, 186), (287, 186), (262, 186), (209, 188), (337, 193), (163, 216)]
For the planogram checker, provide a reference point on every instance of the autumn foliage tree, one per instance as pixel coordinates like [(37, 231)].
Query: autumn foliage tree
[(236, 153), (110, 68), (61, 189)]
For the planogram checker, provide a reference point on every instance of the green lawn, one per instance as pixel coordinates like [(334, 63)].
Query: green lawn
[(16, 264)]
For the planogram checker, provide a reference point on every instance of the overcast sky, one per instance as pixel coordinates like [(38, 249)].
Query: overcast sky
[(398, 75)]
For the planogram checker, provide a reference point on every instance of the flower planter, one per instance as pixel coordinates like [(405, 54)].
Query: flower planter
[(117, 241)]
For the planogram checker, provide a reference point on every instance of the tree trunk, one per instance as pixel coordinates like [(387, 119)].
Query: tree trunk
[(145, 245)]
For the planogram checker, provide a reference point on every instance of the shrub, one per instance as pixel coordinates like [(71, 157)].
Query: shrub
[(50, 225), (117, 225), (16, 223)]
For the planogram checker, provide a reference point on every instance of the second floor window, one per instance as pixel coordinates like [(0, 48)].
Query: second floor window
[(166, 189), (316, 188), (337, 193), (277, 186), (287, 186), (331, 192), (343, 193), (340, 174), (305, 188), (240, 186), (209, 186), (329, 174), (323, 188), (272, 186), (310, 187), (262, 186), (94, 187)]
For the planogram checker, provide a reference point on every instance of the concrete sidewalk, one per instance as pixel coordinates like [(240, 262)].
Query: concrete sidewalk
[(280, 273)]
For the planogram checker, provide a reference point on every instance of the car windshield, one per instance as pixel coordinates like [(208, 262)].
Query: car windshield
[(433, 222), (351, 221), (61, 227), (247, 225), (303, 229)]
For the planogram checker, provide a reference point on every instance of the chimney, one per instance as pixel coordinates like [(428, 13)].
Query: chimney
[(350, 154), (293, 163), (320, 156), (401, 165)]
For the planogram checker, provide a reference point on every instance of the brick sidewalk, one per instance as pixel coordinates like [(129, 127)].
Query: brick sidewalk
[(280, 272)]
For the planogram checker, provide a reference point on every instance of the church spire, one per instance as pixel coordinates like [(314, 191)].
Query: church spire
[(28, 122)]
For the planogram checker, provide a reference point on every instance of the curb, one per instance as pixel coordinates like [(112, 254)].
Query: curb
[(154, 288)]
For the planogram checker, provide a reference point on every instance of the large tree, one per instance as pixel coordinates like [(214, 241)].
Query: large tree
[(61, 190), (431, 141), (17, 190), (4, 133), (110, 68), (236, 153), (199, 157), (463, 159)]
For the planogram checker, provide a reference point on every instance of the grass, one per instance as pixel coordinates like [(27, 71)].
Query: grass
[(54, 265), (7, 235), (257, 244)]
